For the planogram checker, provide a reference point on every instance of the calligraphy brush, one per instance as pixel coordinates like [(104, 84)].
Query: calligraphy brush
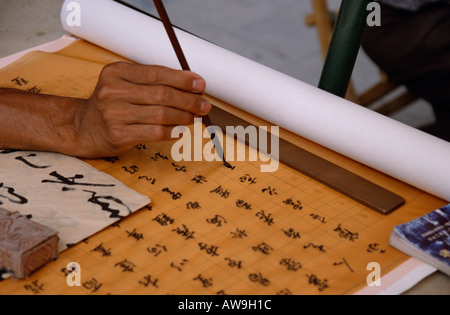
[(184, 64)]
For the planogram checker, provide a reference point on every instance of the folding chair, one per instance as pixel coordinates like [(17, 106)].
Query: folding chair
[(340, 36)]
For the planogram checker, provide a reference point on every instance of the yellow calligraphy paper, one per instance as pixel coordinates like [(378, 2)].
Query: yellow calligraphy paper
[(212, 228)]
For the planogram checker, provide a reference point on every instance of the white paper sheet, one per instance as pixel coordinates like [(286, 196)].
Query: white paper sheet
[(64, 193), (361, 134), (401, 279), (52, 46)]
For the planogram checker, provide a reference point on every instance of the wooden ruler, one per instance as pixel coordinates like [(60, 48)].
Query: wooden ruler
[(319, 169)]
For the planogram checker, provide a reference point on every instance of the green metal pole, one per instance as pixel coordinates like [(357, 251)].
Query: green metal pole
[(344, 47)]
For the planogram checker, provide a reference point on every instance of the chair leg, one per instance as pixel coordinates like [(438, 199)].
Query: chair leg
[(376, 92), (344, 47), (323, 20), (324, 24), (351, 94), (310, 20), (397, 103)]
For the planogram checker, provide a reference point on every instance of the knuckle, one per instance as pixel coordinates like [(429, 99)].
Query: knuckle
[(159, 133), (188, 120), (108, 114), (185, 119), (116, 135), (113, 68), (161, 94), (154, 74), (194, 103), (105, 92), (199, 100), (161, 115)]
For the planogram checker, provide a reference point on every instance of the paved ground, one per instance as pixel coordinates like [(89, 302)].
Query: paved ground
[(267, 31)]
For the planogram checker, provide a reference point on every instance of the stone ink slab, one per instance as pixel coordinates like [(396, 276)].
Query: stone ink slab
[(25, 246)]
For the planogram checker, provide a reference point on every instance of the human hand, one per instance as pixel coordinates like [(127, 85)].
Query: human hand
[(135, 104)]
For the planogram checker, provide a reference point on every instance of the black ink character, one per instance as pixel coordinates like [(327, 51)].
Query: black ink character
[(239, 233), (159, 156), (292, 233), (11, 195), (343, 262), (222, 192), (157, 250), (127, 266), (266, 218), (296, 205), (179, 265), (19, 81), (111, 160), (72, 181), (263, 248), (132, 169), (22, 159), (147, 280), (35, 90), (164, 219), (105, 252), (141, 147), (319, 247), (247, 178), (346, 233), (92, 285), (242, 204), (199, 179), (175, 195), (134, 234), (259, 278), (205, 282), (320, 284), (185, 232), (270, 190), (148, 179), (107, 202), (179, 168), (218, 220), (193, 205), (229, 166)]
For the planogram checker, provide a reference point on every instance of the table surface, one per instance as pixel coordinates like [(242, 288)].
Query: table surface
[(38, 22)]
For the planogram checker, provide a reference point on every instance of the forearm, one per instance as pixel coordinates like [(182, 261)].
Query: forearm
[(38, 122)]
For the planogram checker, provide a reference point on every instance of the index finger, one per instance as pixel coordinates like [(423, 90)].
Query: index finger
[(152, 75)]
